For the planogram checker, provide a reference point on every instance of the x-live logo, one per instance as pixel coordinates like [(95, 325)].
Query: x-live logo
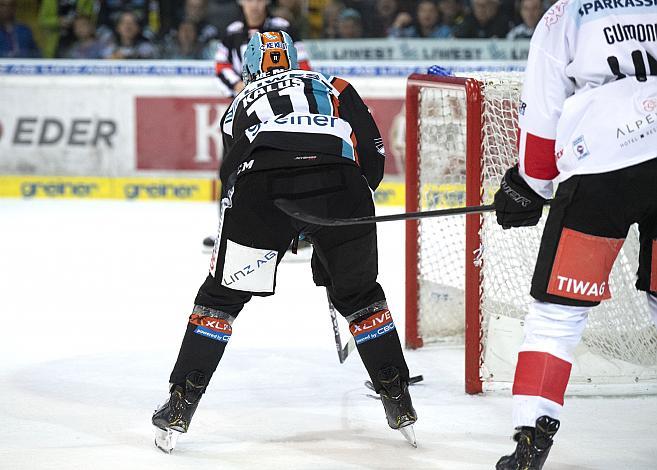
[(216, 324), (217, 329), (370, 323), (372, 327)]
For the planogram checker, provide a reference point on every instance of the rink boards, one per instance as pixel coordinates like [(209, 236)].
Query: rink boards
[(142, 188)]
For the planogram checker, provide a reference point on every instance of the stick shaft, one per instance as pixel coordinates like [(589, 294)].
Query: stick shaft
[(291, 209)]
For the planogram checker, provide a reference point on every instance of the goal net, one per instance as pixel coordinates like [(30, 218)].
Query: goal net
[(467, 279)]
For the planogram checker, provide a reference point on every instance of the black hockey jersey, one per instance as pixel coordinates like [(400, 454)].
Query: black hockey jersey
[(228, 57), (302, 118)]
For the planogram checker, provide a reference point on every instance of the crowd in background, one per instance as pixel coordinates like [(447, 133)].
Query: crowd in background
[(190, 29)]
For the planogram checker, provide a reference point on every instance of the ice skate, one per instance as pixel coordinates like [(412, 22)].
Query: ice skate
[(166, 439), (533, 446), (174, 417), (397, 403)]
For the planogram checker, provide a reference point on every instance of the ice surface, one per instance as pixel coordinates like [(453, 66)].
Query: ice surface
[(94, 299)]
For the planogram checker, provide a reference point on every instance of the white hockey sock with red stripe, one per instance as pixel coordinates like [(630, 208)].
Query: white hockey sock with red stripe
[(551, 334)]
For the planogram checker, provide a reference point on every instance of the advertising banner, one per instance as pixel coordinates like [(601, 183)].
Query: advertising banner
[(84, 187), (407, 49), (94, 125), (179, 133), (62, 129), (142, 189), (184, 133)]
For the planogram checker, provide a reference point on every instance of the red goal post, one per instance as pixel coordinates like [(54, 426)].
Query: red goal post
[(467, 280), (473, 137)]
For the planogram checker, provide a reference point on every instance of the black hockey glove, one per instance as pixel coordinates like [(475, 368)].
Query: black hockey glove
[(516, 203)]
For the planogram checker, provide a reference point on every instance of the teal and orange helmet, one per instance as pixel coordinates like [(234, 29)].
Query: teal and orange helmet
[(266, 53)]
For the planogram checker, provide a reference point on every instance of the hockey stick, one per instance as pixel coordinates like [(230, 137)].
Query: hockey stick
[(343, 352), (291, 209)]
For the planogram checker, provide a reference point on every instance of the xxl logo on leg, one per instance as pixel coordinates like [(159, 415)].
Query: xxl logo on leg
[(372, 327), (214, 328)]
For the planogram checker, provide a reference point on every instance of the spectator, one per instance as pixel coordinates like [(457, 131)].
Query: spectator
[(531, 12), (196, 11), (283, 12), (56, 23), (451, 13), (385, 13), (427, 23), (255, 17), (147, 13), (350, 24), (484, 21), (184, 44), (292, 10), (331, 18), (221, 13), (85, 45), (129, 42), (16, 39), (315, 17)]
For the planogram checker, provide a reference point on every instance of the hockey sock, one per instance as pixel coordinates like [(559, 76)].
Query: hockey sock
[(203, 345), (377, 341), (539, 386), (552, 332)]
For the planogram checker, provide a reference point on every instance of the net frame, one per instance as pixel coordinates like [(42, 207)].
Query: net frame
[(471, 91), (473, 329)]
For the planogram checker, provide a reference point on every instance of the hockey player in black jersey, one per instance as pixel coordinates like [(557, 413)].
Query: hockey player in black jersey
[(255, 18), (302, 136)]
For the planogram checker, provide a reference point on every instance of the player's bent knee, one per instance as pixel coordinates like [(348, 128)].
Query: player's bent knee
[(553, 328), (213, 295)]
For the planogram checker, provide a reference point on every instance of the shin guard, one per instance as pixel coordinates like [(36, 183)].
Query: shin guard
[(205, 340), (377, 341)]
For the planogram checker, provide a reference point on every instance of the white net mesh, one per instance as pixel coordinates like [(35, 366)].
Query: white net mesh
[(618, 330)]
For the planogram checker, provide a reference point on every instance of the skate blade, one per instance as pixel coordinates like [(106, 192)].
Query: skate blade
[(166, 439), (409, 434)]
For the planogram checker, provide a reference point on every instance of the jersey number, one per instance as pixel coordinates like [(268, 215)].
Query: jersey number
[(263, 108), (639, 66)]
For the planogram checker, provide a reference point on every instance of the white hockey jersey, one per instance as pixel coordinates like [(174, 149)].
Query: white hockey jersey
[(589, 100)]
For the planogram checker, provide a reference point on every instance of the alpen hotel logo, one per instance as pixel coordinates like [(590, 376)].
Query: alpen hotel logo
[(632, 132)]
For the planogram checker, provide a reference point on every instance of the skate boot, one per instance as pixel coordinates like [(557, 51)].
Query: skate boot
[(533, 446), (174, 417), (397, 403)]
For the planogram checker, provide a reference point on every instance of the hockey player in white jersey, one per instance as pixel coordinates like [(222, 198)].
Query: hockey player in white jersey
[(588, 122)]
